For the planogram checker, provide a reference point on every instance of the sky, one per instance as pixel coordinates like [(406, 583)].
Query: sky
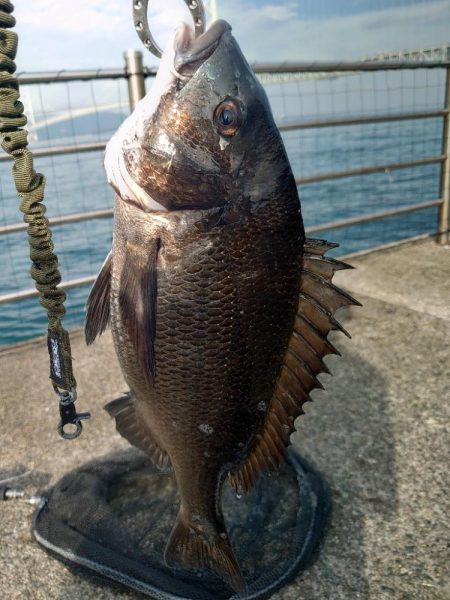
[(92, 34)]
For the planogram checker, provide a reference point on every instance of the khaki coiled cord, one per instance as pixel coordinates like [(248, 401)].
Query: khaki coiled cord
[(30, 188)]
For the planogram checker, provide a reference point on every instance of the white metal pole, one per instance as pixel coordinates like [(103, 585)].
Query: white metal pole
[(136, 78), (444, 212)]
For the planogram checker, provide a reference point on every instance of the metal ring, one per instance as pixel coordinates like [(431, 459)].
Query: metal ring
[(140, 20), (70, 435)]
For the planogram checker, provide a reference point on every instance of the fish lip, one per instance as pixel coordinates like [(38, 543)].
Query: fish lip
[(191, 53)]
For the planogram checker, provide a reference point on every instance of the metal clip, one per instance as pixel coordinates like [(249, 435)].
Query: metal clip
[(140, 19), (69, 415)]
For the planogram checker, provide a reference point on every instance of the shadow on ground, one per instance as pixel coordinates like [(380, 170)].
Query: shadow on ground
[(347, 434), (379, 435)]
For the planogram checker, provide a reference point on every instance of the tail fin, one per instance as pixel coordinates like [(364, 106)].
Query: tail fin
[(189, 546)]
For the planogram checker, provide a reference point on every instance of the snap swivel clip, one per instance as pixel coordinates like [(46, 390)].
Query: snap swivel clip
[(69, 415)]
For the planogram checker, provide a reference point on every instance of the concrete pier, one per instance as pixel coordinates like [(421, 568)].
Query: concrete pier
[(380, 434)]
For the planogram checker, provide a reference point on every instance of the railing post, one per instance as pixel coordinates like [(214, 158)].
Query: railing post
[(136, 78), (444, 212)]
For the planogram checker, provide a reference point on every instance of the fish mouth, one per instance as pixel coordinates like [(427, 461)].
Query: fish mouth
[(190, 52)]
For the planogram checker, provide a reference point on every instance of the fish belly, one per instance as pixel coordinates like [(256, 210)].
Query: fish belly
[(225, 308), (224, 303)]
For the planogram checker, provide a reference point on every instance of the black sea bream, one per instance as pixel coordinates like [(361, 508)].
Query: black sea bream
[(219, 308)]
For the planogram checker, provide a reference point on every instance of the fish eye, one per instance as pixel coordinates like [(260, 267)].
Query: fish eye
[(228, 117)]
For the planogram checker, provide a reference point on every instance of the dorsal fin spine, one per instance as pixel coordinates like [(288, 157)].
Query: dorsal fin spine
[(268, 454), (290, 404), (306, 369), (318, 246), (342, 293), (337, 265), (305, 342), (318, 300), (280, 426), (275, 437), (297, 386), (329, 346), (335, 324)]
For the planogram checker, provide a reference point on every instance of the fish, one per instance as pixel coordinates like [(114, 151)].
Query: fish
[(219, 307)]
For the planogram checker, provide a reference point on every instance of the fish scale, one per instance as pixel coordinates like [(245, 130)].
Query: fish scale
[(216, 362), (230, 346), (219, 307)]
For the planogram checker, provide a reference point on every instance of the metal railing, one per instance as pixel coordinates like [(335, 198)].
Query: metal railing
[(136, 74)]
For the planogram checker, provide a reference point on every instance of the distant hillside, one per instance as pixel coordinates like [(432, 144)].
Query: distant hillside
[(101, 125)]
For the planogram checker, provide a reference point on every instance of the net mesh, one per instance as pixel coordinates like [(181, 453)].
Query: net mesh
[(113, 516)]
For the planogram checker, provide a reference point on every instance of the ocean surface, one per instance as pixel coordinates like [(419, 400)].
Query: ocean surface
[(76, 183)]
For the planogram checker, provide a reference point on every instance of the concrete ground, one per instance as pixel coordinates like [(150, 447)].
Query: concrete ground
[(379, 434)]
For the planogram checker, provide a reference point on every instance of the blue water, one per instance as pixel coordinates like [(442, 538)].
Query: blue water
[(76, 183)]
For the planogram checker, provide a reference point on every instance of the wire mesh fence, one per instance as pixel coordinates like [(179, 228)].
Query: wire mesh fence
[(322, 150), (71, 113), (309, 108)]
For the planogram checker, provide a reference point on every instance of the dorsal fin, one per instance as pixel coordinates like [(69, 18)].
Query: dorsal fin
[(137, 302), (319, 299), (97, 306)]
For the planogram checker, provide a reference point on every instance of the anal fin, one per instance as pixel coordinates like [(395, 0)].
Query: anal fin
[(319, 299), (131, 426)]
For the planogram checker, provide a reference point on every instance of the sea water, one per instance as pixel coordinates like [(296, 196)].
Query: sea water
[(77, 183)]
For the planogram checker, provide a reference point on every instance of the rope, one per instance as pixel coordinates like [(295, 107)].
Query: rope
[(30, 188)]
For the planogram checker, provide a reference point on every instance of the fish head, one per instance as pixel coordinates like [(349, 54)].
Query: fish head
[(203, 135)]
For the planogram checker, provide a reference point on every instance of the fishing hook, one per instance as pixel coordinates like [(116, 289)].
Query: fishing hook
[(140, 19)]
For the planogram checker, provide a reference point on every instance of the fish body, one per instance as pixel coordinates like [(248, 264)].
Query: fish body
[(203, 287)]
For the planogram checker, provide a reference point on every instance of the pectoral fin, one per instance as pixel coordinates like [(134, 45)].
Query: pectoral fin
[(97, 306), (137, 302), (319, 299)]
